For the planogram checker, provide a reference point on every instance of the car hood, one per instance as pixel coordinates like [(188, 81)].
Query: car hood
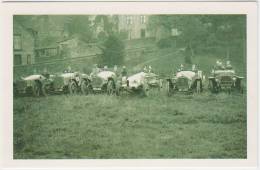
[(34, 77), (67, 75), (188, 74), (106, 74), (137, 77)]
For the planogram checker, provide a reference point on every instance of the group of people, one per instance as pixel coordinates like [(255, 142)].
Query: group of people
[(194, 68), (220, 66), (147, 69), (96, 70)]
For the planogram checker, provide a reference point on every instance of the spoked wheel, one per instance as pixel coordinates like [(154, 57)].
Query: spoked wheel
[(73, 87), (110, 87), (36, 89), (45, 89), (85, 87)]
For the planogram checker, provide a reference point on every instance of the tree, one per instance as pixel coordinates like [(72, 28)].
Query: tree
[(113, 51), (80, 26)]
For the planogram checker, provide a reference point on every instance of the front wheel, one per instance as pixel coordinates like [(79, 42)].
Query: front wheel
[(73, 87), (46, 89)]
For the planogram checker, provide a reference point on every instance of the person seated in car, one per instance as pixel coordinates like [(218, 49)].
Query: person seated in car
[(95, 70), (181, 68), (194, 68), (219, 65), (150, 69), (145, 69), (105, 68), (68, 70), (228, 65)]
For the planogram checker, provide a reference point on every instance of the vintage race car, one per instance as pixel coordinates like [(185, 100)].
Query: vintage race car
[(103, 81), (154, 81), (184, 81), (225, 80), (135, 83), (65, 83), (30, 85)]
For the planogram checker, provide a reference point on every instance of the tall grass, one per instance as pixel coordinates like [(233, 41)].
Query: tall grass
[(100, 126)]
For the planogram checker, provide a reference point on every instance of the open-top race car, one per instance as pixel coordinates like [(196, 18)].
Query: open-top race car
[(225, 80), (66, 83), (45, 84), (153, 80), (30, 85), (140, 83), (103, 81), (184, 81)]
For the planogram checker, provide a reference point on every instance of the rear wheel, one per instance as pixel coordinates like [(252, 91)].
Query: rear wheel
[(73, 87), (110, 87), (45, 89)]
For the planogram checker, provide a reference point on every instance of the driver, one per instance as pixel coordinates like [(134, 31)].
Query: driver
[(95, 70), (228, 65), (181, 68)]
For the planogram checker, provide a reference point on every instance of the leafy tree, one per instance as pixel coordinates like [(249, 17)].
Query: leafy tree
[(80, 26), (113, 51)]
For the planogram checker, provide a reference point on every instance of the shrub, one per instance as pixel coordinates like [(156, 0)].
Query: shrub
[(113, 52), (166, 42)]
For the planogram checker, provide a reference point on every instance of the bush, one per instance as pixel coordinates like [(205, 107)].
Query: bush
[(166, 42), (113, 52)]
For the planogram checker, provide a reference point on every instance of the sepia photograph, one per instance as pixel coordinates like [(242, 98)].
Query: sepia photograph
[(153, 86)]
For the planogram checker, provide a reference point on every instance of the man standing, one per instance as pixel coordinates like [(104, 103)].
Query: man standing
[(124, 72)]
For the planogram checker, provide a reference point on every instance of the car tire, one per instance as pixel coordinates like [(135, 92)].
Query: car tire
[(45, 90), (73, 87)]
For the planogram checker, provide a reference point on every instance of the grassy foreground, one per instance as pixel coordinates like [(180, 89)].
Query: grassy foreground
[(100, 126)]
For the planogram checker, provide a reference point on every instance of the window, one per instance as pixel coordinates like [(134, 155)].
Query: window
[(129, 20), (29, 59), (142, 33), (143, 19), (17, 59), (17, 42)]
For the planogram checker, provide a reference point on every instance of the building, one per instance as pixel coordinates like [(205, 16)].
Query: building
[(23, 45), (135, 26)]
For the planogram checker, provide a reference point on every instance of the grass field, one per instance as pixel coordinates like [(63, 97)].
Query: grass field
[(101, 126)]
